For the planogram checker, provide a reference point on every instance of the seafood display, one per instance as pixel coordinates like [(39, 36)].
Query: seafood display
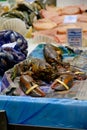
[(31, 73), (51, 71), (13, 49), (26, 11), (57, 27), (49, 20)]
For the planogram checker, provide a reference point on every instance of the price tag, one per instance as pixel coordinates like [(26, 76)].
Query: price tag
[(74, 37), (70, 19)]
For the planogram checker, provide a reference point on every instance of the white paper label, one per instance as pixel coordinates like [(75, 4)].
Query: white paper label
[(70, 19), (12, 45)]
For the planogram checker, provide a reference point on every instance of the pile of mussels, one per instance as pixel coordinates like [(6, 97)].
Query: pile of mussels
[(13, 49)]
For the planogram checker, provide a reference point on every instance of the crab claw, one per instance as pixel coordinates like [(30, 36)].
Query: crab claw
[(64, 82), (29, 86), (80, 75)]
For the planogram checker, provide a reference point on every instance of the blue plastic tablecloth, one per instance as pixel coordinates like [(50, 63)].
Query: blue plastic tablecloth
[(50, 112)]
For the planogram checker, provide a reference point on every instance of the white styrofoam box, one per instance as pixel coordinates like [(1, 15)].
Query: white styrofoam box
[(62, 3)]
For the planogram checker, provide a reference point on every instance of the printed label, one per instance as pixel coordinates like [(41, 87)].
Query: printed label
[(74, 37)]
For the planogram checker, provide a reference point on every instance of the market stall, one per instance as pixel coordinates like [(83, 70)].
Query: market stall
[(55, 97), (45, 111)]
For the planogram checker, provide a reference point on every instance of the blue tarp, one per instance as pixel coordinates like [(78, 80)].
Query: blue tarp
[(52, 112)]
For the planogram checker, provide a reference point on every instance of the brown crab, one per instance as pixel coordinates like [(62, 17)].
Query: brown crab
[(64, 82), (52, 54), (29, 86), (52, 69), (36, 68)]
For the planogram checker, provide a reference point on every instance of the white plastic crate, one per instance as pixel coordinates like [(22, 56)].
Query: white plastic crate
[(62, 3)]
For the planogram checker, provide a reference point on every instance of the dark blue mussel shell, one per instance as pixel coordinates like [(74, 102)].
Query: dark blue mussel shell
[(13, 49)]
